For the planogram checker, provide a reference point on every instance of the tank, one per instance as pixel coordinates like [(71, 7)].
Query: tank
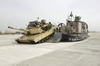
[(75, 30), (36, 32)]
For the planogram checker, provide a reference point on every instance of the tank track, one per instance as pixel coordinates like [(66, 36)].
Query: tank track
[(67, 38), (45, 39)]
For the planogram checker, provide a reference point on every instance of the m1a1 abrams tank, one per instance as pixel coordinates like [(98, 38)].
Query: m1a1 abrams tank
[(74, 30), (36, 32)]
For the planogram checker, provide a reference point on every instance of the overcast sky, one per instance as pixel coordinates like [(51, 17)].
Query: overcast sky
[(18, 13)]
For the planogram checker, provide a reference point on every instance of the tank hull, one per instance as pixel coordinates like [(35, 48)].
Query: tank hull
[(73, 37), (37, 38)]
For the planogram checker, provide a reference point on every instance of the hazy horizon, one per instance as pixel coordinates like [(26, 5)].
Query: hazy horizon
[(18, 13)]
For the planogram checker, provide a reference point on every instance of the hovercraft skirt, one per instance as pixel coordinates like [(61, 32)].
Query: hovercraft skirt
[(67, 38)]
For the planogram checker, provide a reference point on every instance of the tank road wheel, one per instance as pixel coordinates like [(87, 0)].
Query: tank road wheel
[(49, 37), (39, 41), (52, 34), (46, 38), (42, 41)]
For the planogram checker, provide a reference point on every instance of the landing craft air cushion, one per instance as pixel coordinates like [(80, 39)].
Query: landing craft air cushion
[(74, 30)]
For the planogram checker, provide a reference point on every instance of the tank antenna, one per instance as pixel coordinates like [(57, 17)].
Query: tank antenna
[(37, 18)]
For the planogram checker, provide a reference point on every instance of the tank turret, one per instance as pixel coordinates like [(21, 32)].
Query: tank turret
[(28, 31), (34, 27), (45, 26)]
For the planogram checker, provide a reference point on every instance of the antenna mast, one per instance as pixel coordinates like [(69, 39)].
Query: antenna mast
[(71, 15)]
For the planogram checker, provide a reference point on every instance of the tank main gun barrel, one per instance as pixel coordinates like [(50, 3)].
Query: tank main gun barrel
[(18, 29)]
